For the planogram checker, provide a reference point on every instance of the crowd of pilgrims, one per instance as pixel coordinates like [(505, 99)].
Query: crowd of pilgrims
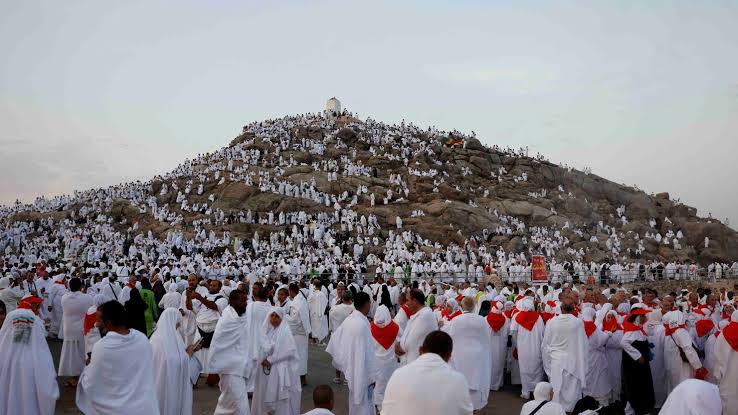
[(136, 341), (332, 234), (178, 288)]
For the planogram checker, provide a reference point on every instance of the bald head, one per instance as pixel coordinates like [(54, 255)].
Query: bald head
[(323, 397), (467, 304)]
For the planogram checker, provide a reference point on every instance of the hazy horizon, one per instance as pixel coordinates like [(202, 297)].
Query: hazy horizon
[(96, 94)]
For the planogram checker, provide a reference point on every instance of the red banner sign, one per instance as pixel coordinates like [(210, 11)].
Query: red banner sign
[(538, 266)]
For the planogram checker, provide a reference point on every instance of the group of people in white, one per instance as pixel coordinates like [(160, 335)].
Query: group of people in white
[(144, 312), (392, 343)]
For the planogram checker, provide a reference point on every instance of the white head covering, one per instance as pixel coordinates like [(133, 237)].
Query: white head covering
[(4, 283), (602, 312), (496, 307), (453, 304), (542, 392), (278, 345), (588, 314), (624, 308), (693, 397), (26, 358), (382, 316), (674, 319), (734, 316), (526, 304)]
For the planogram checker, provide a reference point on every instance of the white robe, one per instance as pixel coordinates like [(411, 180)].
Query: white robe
[(565, 358), (171, 366), (529, 360), (119, 378), (726, 373), (696, 397), (471, 357), (551, 408), (74, 305), (56, 292), (677, 370), (386, 366), (339, 313), (278, 392), (614, 363), (658, 369), (427, 386), (232, 359), (498, 353), (352, 349), (598, 381), (417, 328), (26, 367), (298, 318), (317, 303), (256, 312)]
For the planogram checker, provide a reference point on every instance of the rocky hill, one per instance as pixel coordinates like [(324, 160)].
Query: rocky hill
[(447, 188)]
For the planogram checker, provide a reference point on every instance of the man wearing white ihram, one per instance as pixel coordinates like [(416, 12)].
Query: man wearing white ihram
[(565, 356), (352, 349), (471, 335), (74, 306), (231, 356)]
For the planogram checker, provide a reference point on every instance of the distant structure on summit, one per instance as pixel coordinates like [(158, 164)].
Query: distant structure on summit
[(333, 107)]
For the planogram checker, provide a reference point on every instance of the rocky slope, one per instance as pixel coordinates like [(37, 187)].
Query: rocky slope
[(468, 194)]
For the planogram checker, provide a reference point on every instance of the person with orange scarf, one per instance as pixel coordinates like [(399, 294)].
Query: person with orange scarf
[(726, 365), (527, 331)]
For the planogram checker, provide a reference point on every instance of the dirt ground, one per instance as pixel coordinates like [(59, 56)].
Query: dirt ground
[(320, 371)]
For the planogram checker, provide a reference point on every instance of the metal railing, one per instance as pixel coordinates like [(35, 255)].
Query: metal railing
[(624, 276)]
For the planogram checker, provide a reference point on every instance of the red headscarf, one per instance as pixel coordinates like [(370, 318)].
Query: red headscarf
[(28, 301), (386, 335), (628, 327), (89, 323), (527, 319), (730, 334), (589, 327), (607, 325), (496, 321), (547, 316), (702, 327)]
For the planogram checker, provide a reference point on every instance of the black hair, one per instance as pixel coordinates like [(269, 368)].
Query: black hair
[(438, 342), (75, 284), (418, 296), (322, 396), (361, 299), (114, 312)]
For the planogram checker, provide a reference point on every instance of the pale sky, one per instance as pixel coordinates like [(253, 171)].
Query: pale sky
[(94, 93)]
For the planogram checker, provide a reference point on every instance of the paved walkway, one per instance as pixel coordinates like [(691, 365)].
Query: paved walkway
[(320, 372)]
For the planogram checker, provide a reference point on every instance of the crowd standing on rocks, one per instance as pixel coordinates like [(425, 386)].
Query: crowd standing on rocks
[(393, 242)]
